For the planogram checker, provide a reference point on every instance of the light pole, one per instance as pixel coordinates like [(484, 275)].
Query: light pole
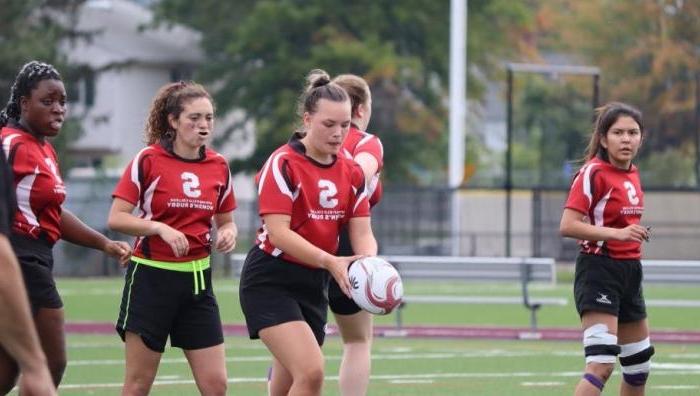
[(458, 111)]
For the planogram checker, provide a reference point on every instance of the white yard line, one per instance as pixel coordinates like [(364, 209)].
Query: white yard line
[(415, 378)]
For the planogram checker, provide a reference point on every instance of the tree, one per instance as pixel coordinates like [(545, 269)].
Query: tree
[(259, 51), (33, 29), (648, 52)]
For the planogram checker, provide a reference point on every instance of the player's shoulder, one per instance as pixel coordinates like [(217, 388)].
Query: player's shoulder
[(214, 156)]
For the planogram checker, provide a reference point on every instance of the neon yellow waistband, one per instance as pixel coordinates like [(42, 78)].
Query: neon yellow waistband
[(196, 267), (184, 266)]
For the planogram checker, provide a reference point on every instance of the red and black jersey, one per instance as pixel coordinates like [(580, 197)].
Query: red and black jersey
[(609, 197), (182, 193), (357, 142), (38, 184), (319, 198)]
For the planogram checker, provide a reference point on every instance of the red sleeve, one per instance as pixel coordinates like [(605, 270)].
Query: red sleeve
[(360, 200), (583, 189), (129, 186), (227, 200), (373, 146), (276, 187), (23, 163)]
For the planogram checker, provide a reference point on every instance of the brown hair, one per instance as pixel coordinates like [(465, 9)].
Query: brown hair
[(606, 116), (356, 87), (319, 86), (170, 100)]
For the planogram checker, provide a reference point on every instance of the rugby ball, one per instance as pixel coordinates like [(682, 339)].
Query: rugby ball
[(375, 285)]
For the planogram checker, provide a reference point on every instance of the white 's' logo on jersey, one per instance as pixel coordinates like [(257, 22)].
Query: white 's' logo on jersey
[(190, 184), (328, 191), (631, 193)]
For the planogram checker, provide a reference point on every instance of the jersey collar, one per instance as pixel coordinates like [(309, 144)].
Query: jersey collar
[(296, 145)]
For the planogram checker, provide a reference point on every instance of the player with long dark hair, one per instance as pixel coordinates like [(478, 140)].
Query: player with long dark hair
[(34, 114), (604, 211)]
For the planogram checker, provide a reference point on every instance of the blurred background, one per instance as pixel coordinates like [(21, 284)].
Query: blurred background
[(253, 55)]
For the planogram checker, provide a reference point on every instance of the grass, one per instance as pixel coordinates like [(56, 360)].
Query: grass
[(97, 299), (401, 366)]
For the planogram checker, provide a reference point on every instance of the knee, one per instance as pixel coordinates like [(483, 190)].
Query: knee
[(635, 360), (137, 386), (214, 385), (601, 351), (311, 379)]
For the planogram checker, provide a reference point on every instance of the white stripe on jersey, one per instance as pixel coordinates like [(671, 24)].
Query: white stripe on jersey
[(263, 175), (362, 196), (135, 170), (279, 179), (599, 212), (148, 199), (23, 193), (229, 190), (7, 143), (587, 184)]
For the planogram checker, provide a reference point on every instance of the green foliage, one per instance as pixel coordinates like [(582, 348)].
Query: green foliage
[(672, 167), (552, 121), (648, 54), (31, 30), (259, 52)]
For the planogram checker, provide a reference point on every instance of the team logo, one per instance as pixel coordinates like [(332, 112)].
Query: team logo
[(328, 191), (631, 193), (603, 299), (190, 185)]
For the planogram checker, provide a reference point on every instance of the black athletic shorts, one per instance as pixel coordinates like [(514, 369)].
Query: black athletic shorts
[(157, 303), (36, 261), (337, 300), (275, 291), (603, 284)]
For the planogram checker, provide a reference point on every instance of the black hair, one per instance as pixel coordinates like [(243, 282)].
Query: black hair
[(26, 80)]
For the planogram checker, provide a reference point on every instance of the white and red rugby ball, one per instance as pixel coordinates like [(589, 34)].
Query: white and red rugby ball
[(375, 284)]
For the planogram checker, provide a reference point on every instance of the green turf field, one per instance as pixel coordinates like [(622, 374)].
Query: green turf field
[(402, 366), (98, 299)]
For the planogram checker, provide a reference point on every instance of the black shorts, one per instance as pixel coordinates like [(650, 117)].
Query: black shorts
[(612, 286), (337, 300), (157, 303), (36, 261), (275, 291)]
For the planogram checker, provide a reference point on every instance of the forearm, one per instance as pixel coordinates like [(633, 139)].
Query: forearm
[(17, 333), (587, 232), (126, 223), (294, 244), (361, 237), (227, 225), (75, 231)]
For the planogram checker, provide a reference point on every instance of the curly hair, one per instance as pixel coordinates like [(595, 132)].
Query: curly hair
[(25, 82), (170, 100)]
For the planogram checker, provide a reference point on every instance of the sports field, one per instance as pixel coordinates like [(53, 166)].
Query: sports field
[(402, 365)]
